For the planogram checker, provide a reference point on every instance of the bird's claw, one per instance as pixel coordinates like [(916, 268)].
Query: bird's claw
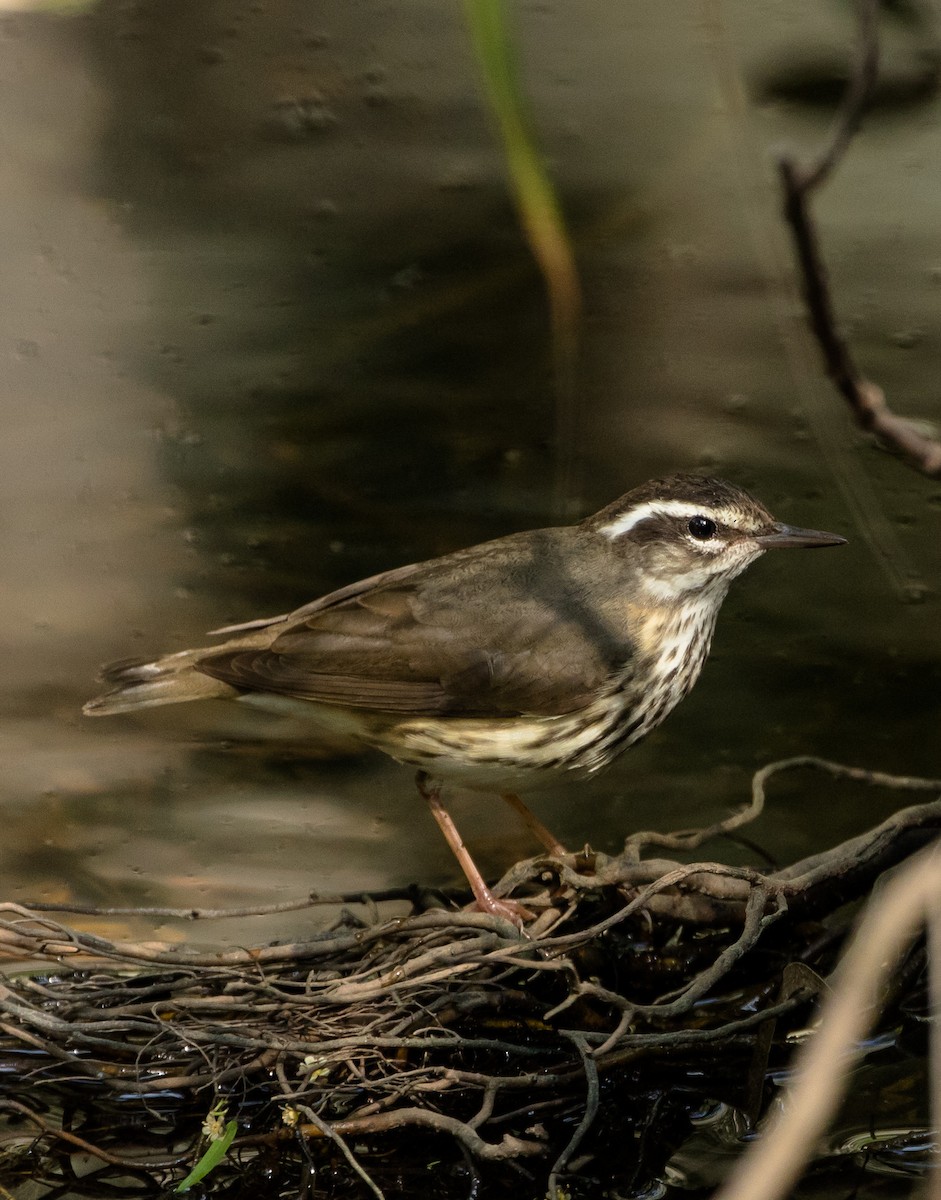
[(508, 910)]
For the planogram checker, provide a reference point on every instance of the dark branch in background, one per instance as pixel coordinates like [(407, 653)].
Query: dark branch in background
[(866, 399), (858, 94)]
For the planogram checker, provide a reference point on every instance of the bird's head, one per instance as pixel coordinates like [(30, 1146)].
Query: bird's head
[(689, 534)]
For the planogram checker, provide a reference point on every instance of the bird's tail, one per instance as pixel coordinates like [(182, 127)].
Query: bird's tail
[(137, 683)]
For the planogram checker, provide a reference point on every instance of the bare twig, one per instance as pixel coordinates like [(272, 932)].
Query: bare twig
[(314, 900), (858, 94), (326, 1130), (590, 1068), (79, 1143), (509, 1147), (398, 1023), (866, 399), (772, 1165), (692, 839)]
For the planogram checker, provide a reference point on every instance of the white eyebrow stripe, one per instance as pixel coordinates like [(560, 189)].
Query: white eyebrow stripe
[(653, 508)]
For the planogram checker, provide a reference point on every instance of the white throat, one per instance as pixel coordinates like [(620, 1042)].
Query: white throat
[(676, 641)]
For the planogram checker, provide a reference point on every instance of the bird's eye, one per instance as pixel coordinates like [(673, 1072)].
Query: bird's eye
[(702, 528)]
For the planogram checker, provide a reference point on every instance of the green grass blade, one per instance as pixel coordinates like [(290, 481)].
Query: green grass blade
[(214, 1155), (536, 200), (540, 212)]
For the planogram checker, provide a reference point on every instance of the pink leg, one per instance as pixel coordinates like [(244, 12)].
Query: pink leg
[(534, 825), (484, 899)]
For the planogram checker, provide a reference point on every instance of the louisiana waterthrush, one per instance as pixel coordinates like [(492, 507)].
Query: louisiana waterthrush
[(496, 667)]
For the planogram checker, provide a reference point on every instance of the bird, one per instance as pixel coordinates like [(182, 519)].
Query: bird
[(502, 666)]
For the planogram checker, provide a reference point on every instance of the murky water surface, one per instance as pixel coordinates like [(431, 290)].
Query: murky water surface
[(269, 326)]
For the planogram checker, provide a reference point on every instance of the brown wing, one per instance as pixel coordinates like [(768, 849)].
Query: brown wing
[(328, 601), (507, 627)]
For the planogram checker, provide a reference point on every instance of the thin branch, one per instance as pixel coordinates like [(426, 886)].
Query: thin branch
[(771, 1166), (858, 94), (866, 399), (379, 1022), (590, 1068), (328, 1131), (79, 1143), (508, 1147), (313, 900)]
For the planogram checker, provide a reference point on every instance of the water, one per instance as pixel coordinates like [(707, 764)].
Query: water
[(270, 327)]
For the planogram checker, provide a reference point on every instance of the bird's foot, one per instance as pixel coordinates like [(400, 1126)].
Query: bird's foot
[(509, 910)]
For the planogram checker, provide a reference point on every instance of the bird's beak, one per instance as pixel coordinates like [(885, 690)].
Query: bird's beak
[(783, 536)]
